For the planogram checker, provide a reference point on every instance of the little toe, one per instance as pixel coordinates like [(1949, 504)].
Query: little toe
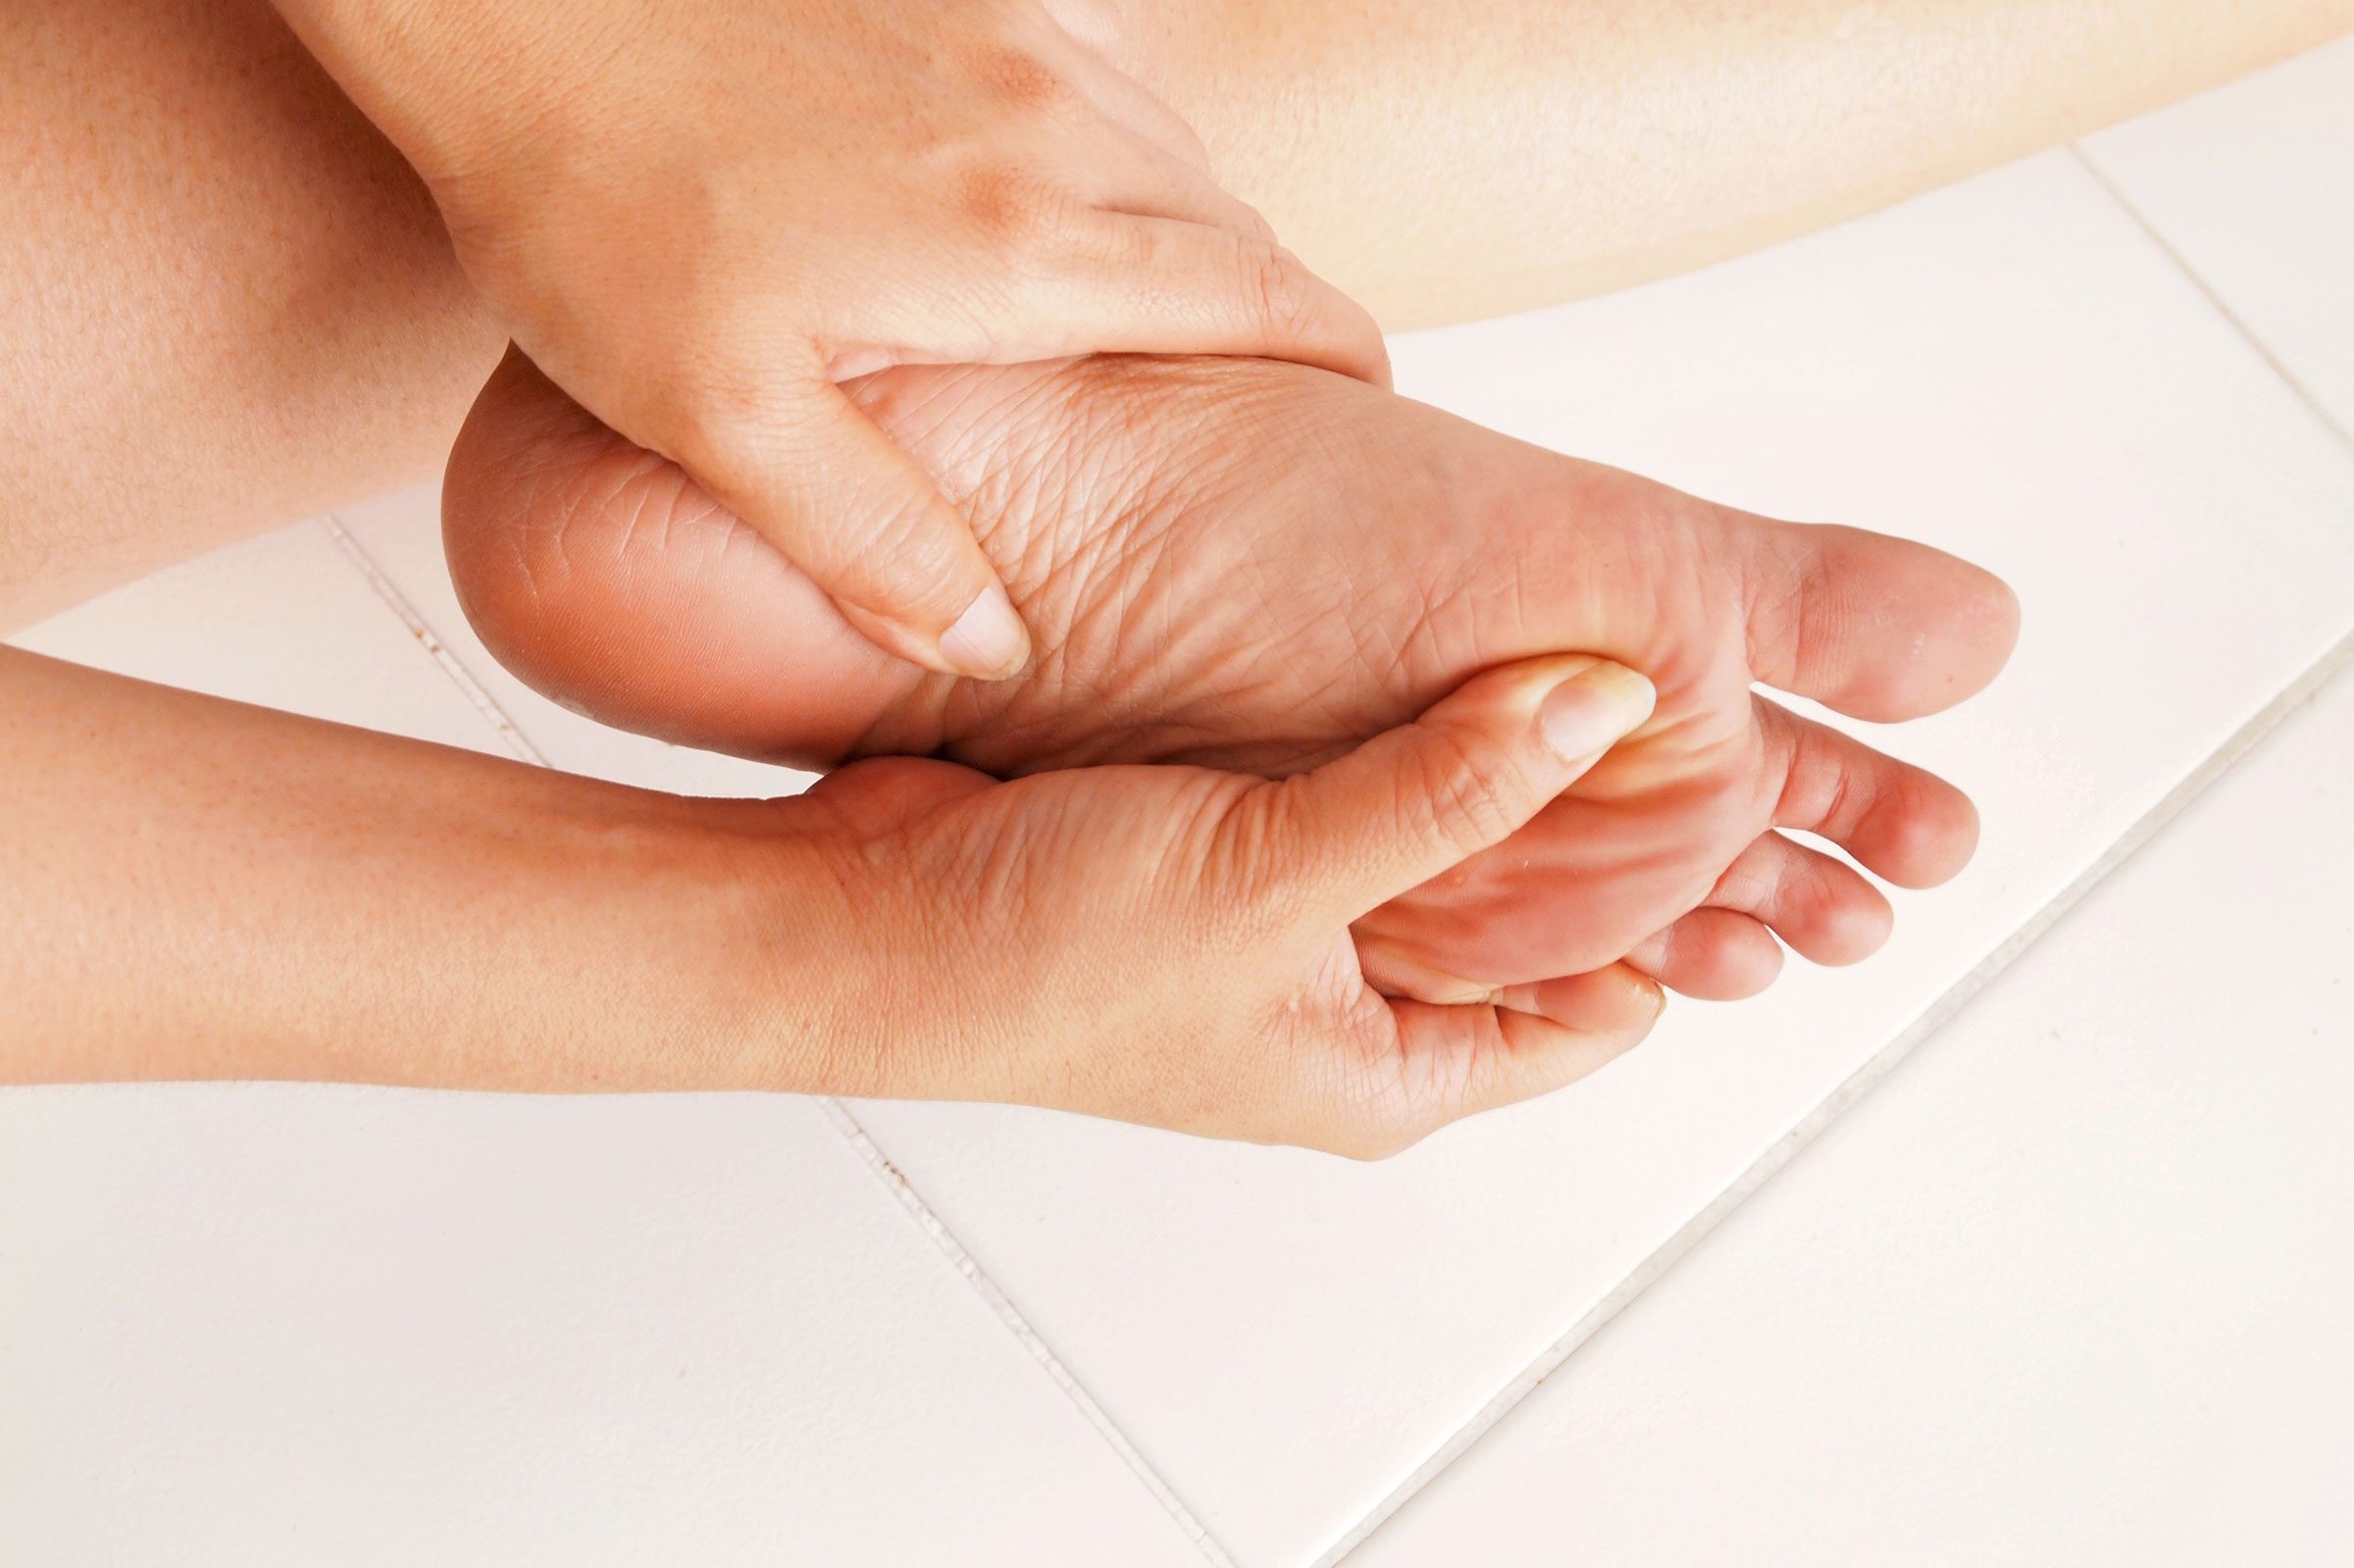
[(1880, 628), (1714, 955), (1814, 902), (1901, 822)]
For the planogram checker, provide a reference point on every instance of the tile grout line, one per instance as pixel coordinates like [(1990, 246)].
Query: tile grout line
[(2231, 318), (1011, 1315), (862, 1143), (390, 594), (1940, 1011), (1851, 1090)]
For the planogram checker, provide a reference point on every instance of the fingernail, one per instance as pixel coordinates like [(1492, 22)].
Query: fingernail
[(989, 639), (1592, 709)]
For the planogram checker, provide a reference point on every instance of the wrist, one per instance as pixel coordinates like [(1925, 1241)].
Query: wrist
[(769, 971), (439, 78)]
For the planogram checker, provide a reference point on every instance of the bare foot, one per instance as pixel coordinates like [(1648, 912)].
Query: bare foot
[(1249, 564)]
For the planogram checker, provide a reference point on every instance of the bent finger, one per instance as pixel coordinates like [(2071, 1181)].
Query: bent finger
[(1160, 285), (1467, 1059), (1127, 175), (859, 516)]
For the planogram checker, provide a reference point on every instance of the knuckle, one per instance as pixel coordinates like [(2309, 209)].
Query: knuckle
[(903, 539), (1008, 203), (1275, 287), (1469, 801), (1020, 79), (713, 431), (1256, 225)]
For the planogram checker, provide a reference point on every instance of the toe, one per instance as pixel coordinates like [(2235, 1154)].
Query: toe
[(1615, 1002), (1815, 903), (1880, 628), (1900, 822), (1716, 956)]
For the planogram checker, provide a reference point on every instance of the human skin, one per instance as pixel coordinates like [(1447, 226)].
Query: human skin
[(225, 302), (697, 219), (1443, 162), (344, 905), (229, 304), (1254, 564)]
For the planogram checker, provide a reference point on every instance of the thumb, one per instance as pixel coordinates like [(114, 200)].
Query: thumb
[(844, 504), (1470, 772)]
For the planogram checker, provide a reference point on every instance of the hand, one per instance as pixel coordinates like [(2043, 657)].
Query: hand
[(1251, 566), (1170, 946), (1166, 944), (697, 219)]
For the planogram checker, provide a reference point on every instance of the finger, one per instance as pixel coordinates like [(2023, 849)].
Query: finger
[(1093, 25), (1085, 49), (865, 523), (1128, 174), (883, 795), (1126, 102), (1418, 800), (1612, 998), (1711, 955), (1876, 626), (1157, 285), (1900, 822), (1819, 905), (1464, 1060)]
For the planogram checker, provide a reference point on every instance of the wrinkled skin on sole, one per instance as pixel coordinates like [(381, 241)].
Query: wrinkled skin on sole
[(1256, 566)]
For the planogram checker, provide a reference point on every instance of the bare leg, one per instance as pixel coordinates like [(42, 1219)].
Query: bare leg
[(225, 303), (1443, 161)]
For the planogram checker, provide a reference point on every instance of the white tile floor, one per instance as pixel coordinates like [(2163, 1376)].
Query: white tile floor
[(717, 1324), (2071, 1286)]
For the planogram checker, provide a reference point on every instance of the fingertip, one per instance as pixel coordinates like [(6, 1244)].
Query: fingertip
[(1304, 318), (1615, 1000), (1591, 707), (1373, 346), (988, 641)]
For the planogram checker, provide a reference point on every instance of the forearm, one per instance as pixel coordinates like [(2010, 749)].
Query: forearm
[(1446, 161), (196, 888)]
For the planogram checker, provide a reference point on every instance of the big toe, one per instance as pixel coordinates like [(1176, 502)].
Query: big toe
[(1876, 626)]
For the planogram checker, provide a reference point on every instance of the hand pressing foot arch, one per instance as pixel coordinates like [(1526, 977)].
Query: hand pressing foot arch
[(1244, 564), (1205, 922)]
